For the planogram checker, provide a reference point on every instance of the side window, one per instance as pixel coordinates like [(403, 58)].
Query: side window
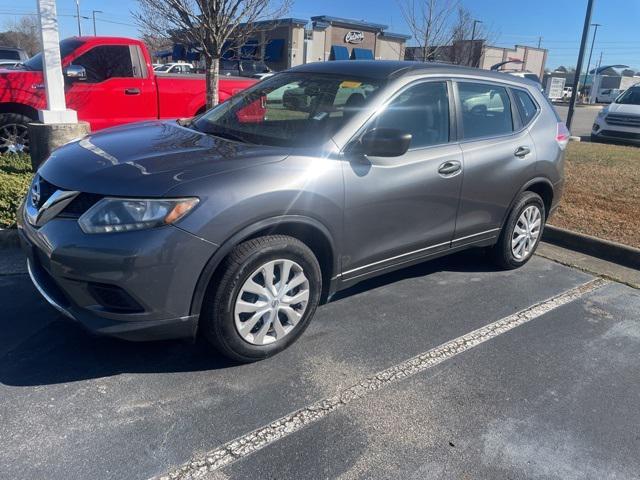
[(486, 110), (422, 111), (107, 61), (526, 106)]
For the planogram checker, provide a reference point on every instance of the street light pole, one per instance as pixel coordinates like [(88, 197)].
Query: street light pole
[(473, 37), (576, 80), (593, 41), (93, 14), (78, 17)]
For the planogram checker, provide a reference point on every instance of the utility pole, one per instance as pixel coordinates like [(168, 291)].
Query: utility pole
[(576, 81), (473, 37), (600, 61), (78, 17), (539, 41), (593, 41), (93, 14)]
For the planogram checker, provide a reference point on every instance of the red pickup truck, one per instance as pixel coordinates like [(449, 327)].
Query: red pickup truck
[(108, 81)]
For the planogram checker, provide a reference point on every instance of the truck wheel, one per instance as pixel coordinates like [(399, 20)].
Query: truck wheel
[(263, 299), (522, 232), (14, 133)]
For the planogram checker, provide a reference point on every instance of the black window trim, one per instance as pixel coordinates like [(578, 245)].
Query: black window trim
[(514, 115), (453, 124), (535, 102)]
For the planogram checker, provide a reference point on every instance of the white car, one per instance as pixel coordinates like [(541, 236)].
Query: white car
[(180, 67), (607, 95), (620, 121)]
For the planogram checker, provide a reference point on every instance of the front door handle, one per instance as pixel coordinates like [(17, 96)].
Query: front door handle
[(132, 91), (450, 168), (522, 152)]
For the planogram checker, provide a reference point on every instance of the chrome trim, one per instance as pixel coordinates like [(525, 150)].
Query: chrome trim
[(416, 251), (52, 207), (46, 296), (475, 235), (396, 257)]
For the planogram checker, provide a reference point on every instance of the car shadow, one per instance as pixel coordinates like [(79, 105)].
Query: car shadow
[(55, 350)]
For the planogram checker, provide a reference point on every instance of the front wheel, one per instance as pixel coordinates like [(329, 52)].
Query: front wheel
[(263, 299), (522, 232)]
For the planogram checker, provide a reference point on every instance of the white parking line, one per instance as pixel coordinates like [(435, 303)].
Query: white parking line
[(236, 449)]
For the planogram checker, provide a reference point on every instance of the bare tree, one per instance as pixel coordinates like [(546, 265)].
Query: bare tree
[(23, 33), (429, 22), (212, 25)]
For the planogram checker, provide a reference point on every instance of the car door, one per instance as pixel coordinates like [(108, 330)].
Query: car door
[(118, 88), (499, 156), (399, 209)]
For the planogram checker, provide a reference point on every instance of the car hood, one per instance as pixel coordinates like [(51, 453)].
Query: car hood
[(148, 159), (624, 108)]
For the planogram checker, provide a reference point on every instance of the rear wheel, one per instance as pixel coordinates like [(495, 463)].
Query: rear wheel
[(14, 133), (264, 298), (522, 232)]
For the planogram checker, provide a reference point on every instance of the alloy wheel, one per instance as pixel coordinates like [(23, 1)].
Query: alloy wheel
[(271, 302), (526, 232), (14, 138)]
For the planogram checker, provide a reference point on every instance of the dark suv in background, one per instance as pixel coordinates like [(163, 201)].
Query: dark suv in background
[(235, 225)]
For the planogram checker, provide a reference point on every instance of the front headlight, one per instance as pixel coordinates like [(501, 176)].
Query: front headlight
[(126, 214), (603, 112)]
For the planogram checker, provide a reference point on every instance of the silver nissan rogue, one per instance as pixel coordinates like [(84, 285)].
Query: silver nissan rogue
[(235, 224)]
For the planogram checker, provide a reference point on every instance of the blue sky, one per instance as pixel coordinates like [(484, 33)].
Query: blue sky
[(511, 21)]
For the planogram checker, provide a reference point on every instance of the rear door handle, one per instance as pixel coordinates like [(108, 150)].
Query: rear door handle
[(132, 91), (522, 152), (450, 168)]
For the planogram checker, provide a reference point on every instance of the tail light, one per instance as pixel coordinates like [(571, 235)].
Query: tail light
[(562, 135)]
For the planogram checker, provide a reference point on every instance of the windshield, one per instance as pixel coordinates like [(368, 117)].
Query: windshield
[(67, 46), (630, 97), (290, 109), (163, 68)]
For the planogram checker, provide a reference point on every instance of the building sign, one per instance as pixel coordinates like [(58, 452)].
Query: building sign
[(354, 37)]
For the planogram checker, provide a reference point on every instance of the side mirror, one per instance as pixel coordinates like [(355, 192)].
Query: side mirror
[(384, 142), (75, 73)]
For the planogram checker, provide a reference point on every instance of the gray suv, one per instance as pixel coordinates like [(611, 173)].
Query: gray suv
[(236, 224)]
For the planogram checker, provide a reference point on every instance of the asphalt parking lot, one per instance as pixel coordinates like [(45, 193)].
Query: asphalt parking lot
[(389, 381), (583, 118)]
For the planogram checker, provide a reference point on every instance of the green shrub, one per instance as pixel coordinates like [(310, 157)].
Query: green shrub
[(15, 176)]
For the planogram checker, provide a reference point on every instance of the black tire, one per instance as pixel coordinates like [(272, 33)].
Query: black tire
[(502, 252), (217, 322), (14, 125)]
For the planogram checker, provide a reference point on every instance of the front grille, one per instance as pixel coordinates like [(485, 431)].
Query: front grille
[(80, 204), (623, 120), (622, 135), (46, 190)]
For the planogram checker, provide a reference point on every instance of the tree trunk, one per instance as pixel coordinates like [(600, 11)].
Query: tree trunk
[(212, 80)]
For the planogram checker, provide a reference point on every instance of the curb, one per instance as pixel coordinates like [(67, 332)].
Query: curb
[(9, 238), (604, 249)]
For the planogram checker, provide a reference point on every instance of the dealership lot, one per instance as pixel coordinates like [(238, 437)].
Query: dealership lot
[(551, 398)]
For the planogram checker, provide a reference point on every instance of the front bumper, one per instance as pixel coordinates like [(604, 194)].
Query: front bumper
[(601, 130), (149, 277)]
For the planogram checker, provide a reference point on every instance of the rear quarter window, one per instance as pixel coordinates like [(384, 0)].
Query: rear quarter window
[(527, 107)]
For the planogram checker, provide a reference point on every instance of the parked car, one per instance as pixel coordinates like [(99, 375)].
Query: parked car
[(236, 225), (608, 95), (244, 68), (620, 120), (13, 54), (109, 81), (9, 64), (179, 67)]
